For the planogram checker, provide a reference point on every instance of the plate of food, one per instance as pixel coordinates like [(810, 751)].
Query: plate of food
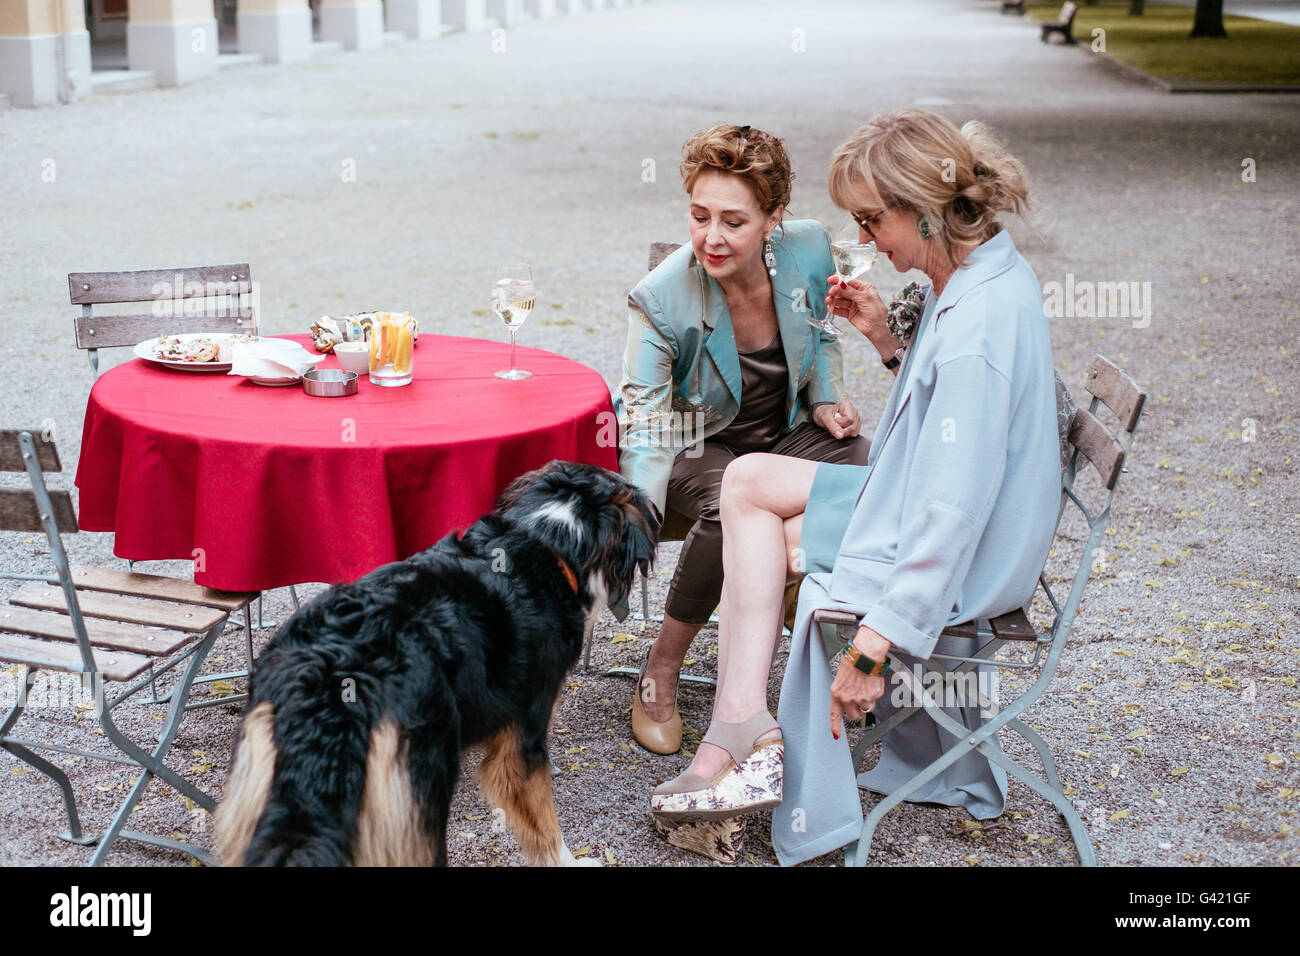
[(191, 352)]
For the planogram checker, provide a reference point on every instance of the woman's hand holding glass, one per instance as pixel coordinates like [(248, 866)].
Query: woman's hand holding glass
[(860, 303)]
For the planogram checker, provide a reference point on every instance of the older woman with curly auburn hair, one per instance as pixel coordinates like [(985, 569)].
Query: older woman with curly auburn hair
[(950, 520), (722, 361)]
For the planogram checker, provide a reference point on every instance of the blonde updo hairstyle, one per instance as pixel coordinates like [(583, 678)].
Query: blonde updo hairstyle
[(958, 180), (757, 157)]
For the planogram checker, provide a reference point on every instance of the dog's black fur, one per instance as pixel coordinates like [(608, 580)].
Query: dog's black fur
[(469, 639)]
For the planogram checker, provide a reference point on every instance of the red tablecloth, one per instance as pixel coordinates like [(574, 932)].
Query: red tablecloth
[(267, 486)]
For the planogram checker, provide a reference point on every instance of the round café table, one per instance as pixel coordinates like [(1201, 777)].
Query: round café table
[(265, 486)]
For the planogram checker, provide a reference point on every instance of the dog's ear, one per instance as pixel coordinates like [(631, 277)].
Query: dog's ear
[(510, 497), (633, 547)]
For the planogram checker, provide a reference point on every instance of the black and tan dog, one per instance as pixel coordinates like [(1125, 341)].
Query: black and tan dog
[(364, 699)]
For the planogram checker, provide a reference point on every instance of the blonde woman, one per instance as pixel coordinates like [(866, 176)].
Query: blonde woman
[(950, 519)]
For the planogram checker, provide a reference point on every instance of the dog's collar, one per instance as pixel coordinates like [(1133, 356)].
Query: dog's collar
[(568, 573)]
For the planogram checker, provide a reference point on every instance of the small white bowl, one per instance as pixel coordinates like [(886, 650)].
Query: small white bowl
[(354, 356)]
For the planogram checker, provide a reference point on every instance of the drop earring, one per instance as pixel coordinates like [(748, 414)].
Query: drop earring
[(769, 258), (924, 227)]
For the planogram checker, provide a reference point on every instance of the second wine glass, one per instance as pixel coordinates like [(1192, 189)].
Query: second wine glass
[(852, 258), (512, 299)]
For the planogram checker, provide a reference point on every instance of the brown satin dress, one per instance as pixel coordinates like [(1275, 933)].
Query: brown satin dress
[(695, 486)]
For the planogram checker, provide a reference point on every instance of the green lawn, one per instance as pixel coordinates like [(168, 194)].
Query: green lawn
[(1256, 52)]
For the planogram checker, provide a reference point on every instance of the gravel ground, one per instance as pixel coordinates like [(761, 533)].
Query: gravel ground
[(464, 156)]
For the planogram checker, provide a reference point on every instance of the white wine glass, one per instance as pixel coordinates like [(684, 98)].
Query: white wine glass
[(512, 299), (852, 258)]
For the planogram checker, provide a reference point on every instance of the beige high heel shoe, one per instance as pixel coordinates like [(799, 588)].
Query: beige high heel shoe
[(750, 781), (656, 737)]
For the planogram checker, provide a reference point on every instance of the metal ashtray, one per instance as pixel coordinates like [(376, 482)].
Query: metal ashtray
[(329, 382)]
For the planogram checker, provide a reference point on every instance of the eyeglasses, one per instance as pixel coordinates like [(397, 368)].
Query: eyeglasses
[(865, 221)]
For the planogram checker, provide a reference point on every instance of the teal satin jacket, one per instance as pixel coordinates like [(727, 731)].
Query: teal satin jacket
[(681, 372)]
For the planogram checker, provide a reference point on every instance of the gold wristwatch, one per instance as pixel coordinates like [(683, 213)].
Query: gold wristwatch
[(864, 663)]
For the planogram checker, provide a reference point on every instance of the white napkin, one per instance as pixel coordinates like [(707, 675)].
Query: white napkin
[(271, 358)]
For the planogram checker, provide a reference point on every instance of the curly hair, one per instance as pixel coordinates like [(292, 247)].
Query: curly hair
[(959, 180), (757, 157)]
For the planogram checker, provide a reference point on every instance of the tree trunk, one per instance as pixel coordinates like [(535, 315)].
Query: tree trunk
[(1209, 19)]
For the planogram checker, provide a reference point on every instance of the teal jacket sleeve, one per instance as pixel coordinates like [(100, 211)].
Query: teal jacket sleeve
[(827, 382), (644, 402)]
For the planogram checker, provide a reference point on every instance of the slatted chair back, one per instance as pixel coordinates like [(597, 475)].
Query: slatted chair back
[(39, 509), (659, 251), (192, 299), (1095, 444), (19, 508)]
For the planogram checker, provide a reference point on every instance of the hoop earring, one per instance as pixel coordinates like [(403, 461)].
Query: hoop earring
[(924, 227), (769, 257)]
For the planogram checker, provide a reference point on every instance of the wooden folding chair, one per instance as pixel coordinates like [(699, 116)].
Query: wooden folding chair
[(191, 298), (1084, 434), (105, 625), (195, 298)]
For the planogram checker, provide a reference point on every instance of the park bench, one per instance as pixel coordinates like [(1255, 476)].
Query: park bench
[(1064, 24)]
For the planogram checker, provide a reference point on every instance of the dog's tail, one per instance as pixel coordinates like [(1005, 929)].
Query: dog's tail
[(300, 814), (245, 795), (390, 827)]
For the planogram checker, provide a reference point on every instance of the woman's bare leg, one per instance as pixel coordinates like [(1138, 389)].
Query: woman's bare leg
[(763, 500)]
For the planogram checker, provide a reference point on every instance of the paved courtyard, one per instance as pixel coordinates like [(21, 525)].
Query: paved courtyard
[(464, 156)]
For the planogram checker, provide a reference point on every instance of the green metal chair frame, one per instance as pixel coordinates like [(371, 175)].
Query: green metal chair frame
[(52, 512), (1087, 436)]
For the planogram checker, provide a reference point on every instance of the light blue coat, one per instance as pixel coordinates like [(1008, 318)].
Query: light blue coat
[(953, 523), (959, 508), (681, 352)]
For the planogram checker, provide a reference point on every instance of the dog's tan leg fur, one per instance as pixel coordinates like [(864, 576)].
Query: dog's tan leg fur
[(244, 797), (389, 828), (527, 801)]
